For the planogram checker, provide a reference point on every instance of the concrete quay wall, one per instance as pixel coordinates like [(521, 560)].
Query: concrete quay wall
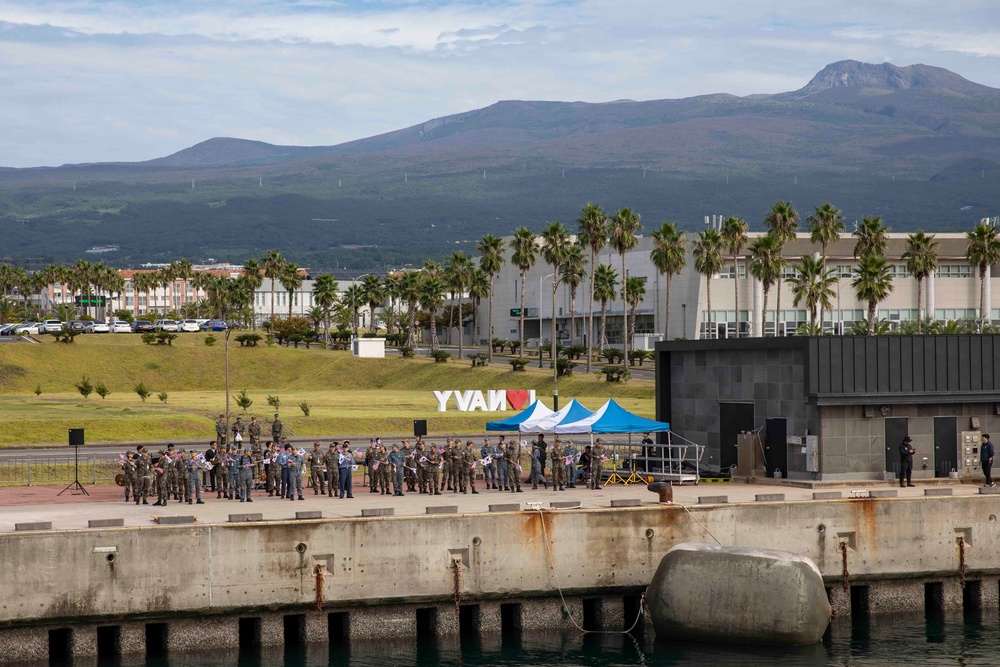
[(379, 571)]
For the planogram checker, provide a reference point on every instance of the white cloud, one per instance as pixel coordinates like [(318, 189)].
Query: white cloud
[(85, 80)]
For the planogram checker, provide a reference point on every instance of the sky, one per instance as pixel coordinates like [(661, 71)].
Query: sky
[(128, 80)]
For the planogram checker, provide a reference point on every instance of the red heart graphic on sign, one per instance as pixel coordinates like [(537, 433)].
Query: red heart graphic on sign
[(517, 398)]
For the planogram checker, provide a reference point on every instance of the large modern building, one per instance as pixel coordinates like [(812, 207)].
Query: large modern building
[(950, 293)]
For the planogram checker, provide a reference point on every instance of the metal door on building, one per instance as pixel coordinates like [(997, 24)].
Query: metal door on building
[(945, 445), (776, 446), (733, 418), (896, 428)]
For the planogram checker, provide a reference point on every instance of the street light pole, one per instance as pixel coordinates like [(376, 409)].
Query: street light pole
[(229, 330), (555, 347), (541, 279)]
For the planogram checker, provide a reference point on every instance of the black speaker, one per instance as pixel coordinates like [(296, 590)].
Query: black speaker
[(76, 437), (419, 427)]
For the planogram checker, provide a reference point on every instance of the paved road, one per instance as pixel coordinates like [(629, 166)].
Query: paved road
[(73, 512)]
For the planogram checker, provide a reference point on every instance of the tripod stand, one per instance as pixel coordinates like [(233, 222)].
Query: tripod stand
[(75, 484)]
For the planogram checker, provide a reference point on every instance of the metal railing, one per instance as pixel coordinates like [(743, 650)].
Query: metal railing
[(54, 470)]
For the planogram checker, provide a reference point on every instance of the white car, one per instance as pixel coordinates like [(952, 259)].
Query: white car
[(121, 326), (52, 326), (100, 327), (193, 326), (165, 325), (31, 328)]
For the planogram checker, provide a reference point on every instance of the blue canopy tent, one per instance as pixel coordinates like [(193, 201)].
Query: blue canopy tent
[(571, 413), (612, 418), (535, 411)]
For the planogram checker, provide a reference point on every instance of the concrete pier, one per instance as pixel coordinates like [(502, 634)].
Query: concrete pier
[(89, 591)]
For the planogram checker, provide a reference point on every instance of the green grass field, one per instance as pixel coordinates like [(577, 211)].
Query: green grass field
[(345, 395)]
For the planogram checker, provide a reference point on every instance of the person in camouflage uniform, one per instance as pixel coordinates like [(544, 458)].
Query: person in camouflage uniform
[(317, 470), (454, 459), (434, 461), (246, 465), (597, 457), (160, 478), (381, 474), (171, 473), (128, 473), (144, 476), (180, 472), (277, 430), (500, 459), (448, 481), (221, 462), (409, 467), (513, 465), (221, 431), (489, 469), (332, 462), (558, 466), (573, 455), (253, 430), (420, 460), (467, 473)]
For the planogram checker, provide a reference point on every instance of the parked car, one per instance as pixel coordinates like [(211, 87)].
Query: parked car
[(142, 326), (214, 325), (8, 329), (165, 325), (80, 326), (98, 327), (190, 326), (121, 326), (31, 328), (52, 326)]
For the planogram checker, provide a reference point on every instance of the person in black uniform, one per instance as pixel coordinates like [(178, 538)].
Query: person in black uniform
[(648, 451), (986, 459), (906, 452), (210, 455)]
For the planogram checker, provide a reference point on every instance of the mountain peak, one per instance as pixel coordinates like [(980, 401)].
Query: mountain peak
[(888, 77)]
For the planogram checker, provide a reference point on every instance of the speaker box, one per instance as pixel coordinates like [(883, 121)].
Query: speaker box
[(76, 437), (869, 412), (974, 423), (419, 427)]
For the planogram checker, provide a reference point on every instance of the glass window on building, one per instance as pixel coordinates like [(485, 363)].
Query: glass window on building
[(845, 271), (954, 271)]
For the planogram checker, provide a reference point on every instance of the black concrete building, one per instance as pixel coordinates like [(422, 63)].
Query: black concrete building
[(860, 395)]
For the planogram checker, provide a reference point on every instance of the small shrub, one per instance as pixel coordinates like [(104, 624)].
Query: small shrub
[(243, 400), (85, 387), (514, 345), (304, 407), (274, 401), (613, 355), (440, 356), (102, 389), (142, 391), (269, 340), (248, 339), (149, 338), (636, 357), (38, 390), (210, 340), (162, 396), (152, 365), (66, 335), (518, 363), (165, 337), (406, 352), (479, 359), (498, 344), (564, 367), (614, 374), (576, 351)]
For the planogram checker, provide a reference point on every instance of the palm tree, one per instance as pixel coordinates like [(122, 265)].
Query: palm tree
[(573, 272), (115, 284), (164, 277), (921, 260), (183, 271), (390, 288), (734, 238), (669, 256), (605, 289), (432, 290), (872, 236), (251, 271), (635, 292), (83, 276), (982, 251), (766, 264), (274, 267), (325, 295), (826, 225), (458, 268), (291, 280), (524, 254), (622, 228), (491, 260), (708, 261), (872, 283), (593, 233), (374, 293), (479, 286), (813, 284), (409, 291), (555, 250), (783, 221), (353, 298)]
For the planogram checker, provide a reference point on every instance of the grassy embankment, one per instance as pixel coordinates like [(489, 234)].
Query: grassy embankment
[(345, 395)]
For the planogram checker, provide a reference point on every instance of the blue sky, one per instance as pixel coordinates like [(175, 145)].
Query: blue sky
[(107, 80)]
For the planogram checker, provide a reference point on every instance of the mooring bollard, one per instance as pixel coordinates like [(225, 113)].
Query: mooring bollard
[(664, 489)]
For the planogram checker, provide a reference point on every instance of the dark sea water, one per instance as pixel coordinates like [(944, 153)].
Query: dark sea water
[(952, 639)]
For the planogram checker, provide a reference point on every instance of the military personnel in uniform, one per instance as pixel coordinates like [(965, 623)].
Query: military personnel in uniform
[(489, 469), (221, 431), (369, 463), (536, 467), (171, 473), (232, 471), (143, 475), (409, 466), (420, 459), (160, 478), (456, 456), (586, 461), (128, 472), (433, 471), (194, 468), (345, 464), (467, 474), (500, 460), (447, 478), (222, 463), (571, 466), (543, 448), (253, 430), (180, 474), (513, 465), (596, 464), (298, 469), (396, 463), (239, 433), (317, 470), (272, 471), (277, 430), (246, 465), (332, 463), (210, 454), (558, 467), (384, 474)]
